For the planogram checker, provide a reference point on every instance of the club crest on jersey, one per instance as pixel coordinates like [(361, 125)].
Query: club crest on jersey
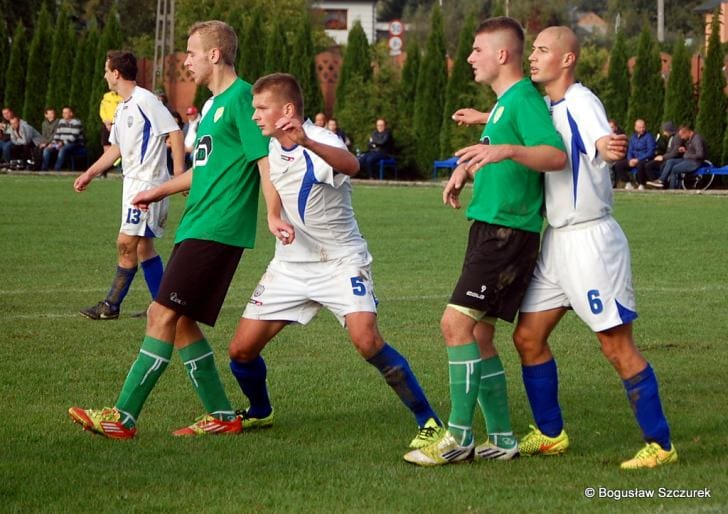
[(498, 113), (129, 121), (218, 114), (259, 290)]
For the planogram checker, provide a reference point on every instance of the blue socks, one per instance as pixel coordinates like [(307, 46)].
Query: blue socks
[(153, 270), (251, 377), (644, 397), (397, 373), (542, 388)]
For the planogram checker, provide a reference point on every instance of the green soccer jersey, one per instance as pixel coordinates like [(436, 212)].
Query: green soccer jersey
[(223, 202), (507, 193)]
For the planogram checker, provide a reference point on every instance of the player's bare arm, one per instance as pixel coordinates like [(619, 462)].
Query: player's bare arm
[(177, 144), (283, 231), (539, 157), (103, 163), (338, 158), (469, 116), (175, 185), (451, 193), (612, 147)]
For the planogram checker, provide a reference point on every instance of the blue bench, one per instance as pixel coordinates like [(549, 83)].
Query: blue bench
[(703, 177), (388, 162), (446, 164)]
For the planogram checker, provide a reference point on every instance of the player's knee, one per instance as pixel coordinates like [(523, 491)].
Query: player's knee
[(158, 316), (527, 344), (241, 352), (126, 249), (367, 343)]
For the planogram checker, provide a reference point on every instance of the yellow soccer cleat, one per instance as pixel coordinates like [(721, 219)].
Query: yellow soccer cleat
[(428, 434), (445, 451), (537, 443), (651, 456)]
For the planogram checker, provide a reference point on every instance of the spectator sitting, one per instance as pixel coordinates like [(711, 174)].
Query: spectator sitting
[(666, 148), (379, 147), (320, 119), (5, 143), (47, 129), (190, 132), (333, 126), (67, 140), (693, 150), (23, 139), (641, 149)]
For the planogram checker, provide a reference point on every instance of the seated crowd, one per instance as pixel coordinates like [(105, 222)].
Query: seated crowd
[(23, 147)]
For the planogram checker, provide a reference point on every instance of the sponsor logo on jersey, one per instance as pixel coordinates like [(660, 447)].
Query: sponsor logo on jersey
[(287, 158), (218, 114)]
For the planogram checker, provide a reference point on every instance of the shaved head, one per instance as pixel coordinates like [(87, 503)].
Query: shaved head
[(562, 39)]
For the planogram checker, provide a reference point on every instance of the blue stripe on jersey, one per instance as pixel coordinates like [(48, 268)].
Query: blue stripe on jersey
[(577, 147), (146, 134), (309, 180), (627, 315)]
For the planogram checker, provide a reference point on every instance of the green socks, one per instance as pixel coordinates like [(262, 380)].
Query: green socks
[(493, 400), (464, 367), (153, 358), (200, 364)]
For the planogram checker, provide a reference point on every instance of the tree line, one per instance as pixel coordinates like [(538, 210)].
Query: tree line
[(59, 63)]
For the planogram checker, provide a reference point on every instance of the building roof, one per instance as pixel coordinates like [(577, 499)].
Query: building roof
[(708, 6)]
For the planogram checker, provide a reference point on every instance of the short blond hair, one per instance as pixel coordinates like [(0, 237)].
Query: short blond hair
[(217, 34)]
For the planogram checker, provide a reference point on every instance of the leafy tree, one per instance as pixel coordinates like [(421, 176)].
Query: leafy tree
[(77, 95), (251, 53), (616, 93), (712, 103), (15, 81), (590, 68), (303, 67), (357, 62), (37, 72), (407, 91), (430, 100), (59, 77), (4, 55), (86, 110), (276, 51), (110, 39), (648, 87), (462, 91), (679, 97), (724, 159), (356, 116)]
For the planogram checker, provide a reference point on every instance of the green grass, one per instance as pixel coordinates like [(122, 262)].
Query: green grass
[(340, 433)]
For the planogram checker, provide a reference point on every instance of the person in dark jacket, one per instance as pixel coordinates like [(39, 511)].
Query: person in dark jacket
[(380, 146)]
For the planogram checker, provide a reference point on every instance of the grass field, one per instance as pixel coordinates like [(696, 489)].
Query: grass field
[(340, 433)]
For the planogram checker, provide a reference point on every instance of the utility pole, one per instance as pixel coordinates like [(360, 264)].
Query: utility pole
[(163, 40), (661, 20)]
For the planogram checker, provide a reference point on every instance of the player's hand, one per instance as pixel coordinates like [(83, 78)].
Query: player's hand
[(468, 116), (293, 129), (475, 157), (144, 199), (616, 147), (81, 182), (283, 231), (451, 193)]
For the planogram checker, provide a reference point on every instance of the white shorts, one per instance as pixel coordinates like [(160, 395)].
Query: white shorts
[(587, 268), (135, 222), (296, 291)]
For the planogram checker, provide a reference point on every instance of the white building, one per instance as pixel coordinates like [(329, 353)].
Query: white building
[(339, 17)]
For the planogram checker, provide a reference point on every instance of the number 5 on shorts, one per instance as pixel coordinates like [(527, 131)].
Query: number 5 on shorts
[(358, 287)]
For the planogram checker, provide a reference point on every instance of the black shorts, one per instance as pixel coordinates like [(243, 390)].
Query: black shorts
[(197, 278), (499, 263), (105, 135)]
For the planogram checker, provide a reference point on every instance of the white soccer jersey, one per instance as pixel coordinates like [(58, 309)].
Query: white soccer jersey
[(316, 201), (140, 126), (583, 191)]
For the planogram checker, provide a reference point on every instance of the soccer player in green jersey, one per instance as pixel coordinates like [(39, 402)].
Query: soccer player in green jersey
[(219, 221), (518, 142)]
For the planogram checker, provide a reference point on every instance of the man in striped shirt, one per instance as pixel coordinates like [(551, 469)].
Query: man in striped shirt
[(67, 140)]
